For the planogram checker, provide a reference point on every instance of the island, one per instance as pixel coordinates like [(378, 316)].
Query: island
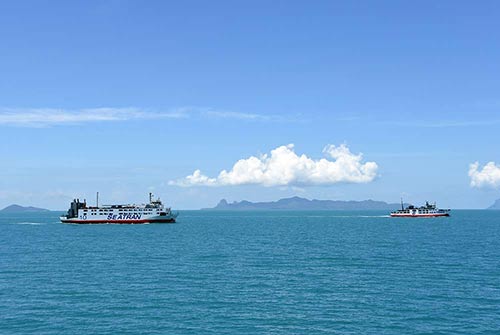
[(496, 205), (298, 203), (22, 209)]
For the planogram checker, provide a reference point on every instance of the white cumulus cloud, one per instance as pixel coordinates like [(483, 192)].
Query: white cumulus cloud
[(284, 167), (488, 176)]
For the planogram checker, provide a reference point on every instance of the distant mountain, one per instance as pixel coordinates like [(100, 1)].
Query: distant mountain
[(297, 203), (18, 209), (496, 205)]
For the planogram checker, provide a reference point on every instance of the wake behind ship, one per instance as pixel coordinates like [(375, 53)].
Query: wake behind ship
[(153, 212)]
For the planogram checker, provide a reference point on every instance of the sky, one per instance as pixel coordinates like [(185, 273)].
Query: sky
[(197, 101)]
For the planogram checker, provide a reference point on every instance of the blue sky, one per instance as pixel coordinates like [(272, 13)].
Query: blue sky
[(127, 97)]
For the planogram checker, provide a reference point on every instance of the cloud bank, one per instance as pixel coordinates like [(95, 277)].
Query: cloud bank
[(44, 117), (238, 115), (40, 117), (284, 167), (488, 176)]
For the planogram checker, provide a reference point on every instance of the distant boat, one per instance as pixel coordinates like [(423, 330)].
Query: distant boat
[(153, 212), (429, 210)]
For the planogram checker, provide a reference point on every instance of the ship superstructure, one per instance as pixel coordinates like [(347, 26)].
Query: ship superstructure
[(153, 212), (429, 210)]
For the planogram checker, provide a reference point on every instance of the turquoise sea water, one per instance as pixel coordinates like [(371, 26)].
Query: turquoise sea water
[(252, 273)]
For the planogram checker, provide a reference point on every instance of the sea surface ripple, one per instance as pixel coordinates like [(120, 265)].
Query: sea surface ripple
[(215, 272)]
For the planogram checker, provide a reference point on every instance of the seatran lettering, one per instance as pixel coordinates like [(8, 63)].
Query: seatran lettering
[(124, 216)]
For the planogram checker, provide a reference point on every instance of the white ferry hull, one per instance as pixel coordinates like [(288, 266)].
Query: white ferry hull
[(427, 211), (105, 221), (430, 215), (154, 212)]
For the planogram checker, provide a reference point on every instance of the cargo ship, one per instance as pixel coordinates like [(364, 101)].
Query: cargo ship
[(429, 210), (153, 212)]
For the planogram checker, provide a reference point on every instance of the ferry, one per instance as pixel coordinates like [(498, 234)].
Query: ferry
[(429, 210), (153, 212)]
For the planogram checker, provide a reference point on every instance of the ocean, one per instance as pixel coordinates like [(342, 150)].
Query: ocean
[(280, 272)]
